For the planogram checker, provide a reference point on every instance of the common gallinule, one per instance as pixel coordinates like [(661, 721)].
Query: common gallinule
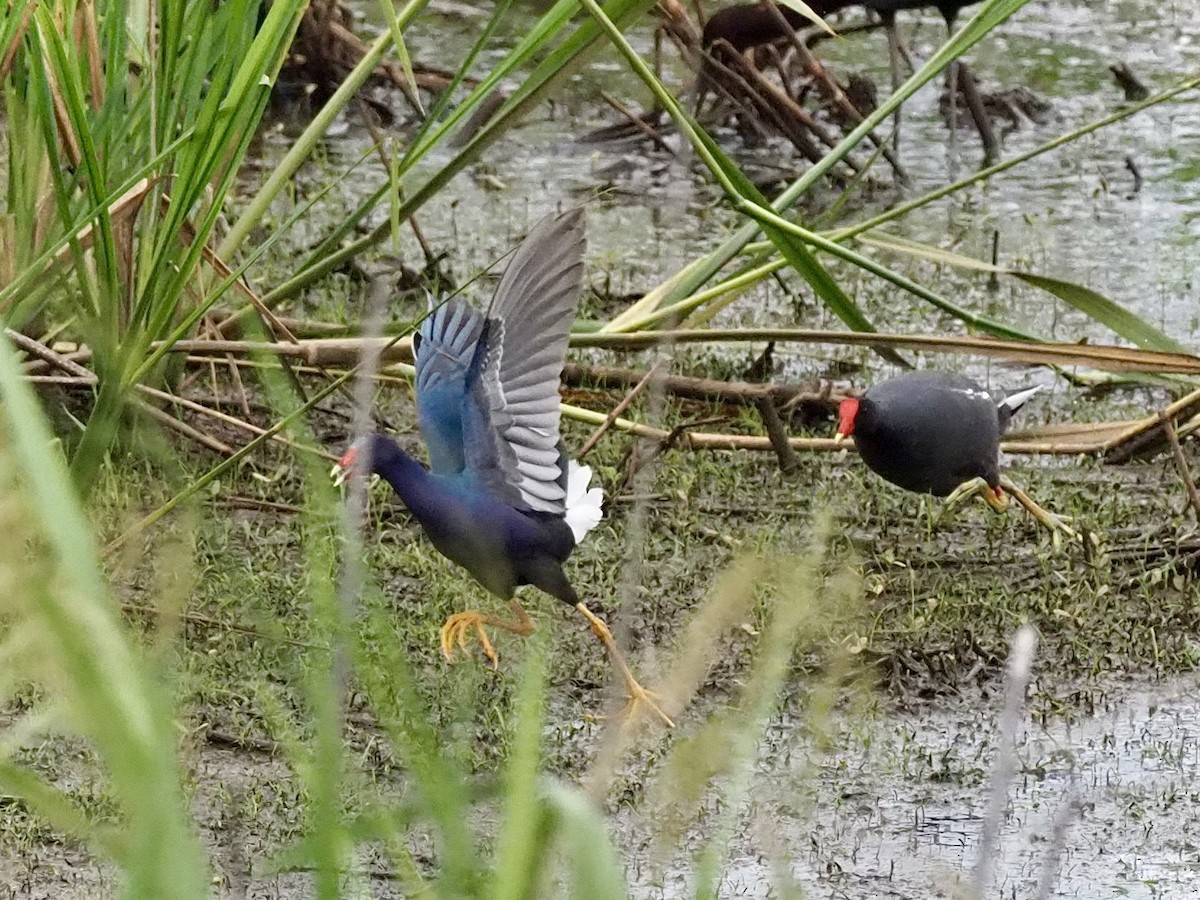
[(748, 25), (502, 499), (938, 433)]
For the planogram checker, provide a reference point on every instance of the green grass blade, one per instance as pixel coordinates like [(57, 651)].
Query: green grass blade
[(303, 147), (1105, 311), (741, 190), (1091, 303), (518, 853), (557, 64), (594, 867), (701, 271), (113, 696)]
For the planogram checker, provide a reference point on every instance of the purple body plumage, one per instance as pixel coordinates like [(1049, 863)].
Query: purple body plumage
[(500, 546)]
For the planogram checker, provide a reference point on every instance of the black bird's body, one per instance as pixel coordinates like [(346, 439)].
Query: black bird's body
[(517, 547), (749, 25), (929, 433), (938, 433), (887, 9)]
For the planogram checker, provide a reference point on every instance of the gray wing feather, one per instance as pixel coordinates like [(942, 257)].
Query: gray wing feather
[(517, 385)]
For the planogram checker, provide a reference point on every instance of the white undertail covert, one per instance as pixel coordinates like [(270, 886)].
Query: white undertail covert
[(583, 505)]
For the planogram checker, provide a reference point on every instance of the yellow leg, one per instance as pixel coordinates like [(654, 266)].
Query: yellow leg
[(976, 487), (459, 625), (637, 694), (1054, 523)]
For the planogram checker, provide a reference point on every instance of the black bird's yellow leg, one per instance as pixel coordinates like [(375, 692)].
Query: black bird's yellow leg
[(1054, 523), (637, 694), (459, 625), (975, 487), (997, 500)]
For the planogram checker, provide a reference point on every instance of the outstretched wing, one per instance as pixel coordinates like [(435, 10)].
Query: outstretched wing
[(510, 422), (445, 348)]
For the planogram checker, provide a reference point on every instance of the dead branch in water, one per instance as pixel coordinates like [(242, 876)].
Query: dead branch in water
[(1147, 436)]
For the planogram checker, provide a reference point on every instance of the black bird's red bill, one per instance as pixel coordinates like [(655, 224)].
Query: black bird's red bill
[(847, 412)]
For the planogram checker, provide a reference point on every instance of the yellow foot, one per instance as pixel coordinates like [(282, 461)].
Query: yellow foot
[(459, 626), (976, 487), (456, 629), (1055, 524), (637, 699), (638, 695)]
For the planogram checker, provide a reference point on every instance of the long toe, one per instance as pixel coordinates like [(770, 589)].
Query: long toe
[(642, 700), (1055, 524), (457, 629)]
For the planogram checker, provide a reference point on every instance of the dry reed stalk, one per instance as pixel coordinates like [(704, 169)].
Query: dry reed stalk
[(1146, 436), (833, 93), (10, 52), (78, 376), (203, 438), (1118, 441), (1181, 463), (708, 390), (1109, 358), (615, 413)]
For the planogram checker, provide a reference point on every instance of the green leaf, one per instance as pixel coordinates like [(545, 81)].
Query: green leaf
[(1089, 302), (1107, 312), (595, 870)]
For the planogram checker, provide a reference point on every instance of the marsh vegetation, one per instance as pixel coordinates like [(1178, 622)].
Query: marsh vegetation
[(217, 682)]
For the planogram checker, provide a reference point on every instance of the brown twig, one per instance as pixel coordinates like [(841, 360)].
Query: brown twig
[(241, 742), (202, 438), (207, 622), (709, 390), (832, 91), (638, 122), (254, 503), (77, 375), (616, 412), (84, 376), (959, 73), (635, 462), (777, 434), (1181, 463), (1145, 437)]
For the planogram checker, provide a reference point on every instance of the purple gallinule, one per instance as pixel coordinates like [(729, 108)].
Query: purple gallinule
[(501, 498)]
